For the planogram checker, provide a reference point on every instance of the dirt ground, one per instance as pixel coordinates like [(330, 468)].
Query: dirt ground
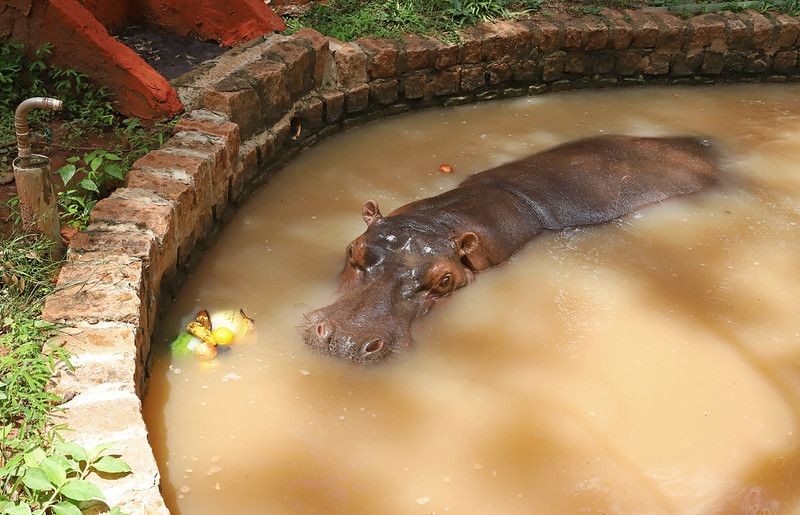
[(170, 55)]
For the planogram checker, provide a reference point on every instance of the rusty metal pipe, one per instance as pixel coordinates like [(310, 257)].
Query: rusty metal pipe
[(21, 123)]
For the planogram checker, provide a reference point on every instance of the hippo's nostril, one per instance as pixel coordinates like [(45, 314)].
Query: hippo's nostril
[(372, 347), (324, 331)]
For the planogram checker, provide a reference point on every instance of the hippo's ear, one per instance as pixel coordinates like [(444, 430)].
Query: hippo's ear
[(370, 212), (471, 251)]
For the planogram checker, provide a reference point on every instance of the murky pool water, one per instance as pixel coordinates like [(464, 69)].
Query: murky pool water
[(647, 365)]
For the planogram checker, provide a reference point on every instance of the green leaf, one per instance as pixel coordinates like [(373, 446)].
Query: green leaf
[(22, 509), (112, 157), (90, 185), (81, 490), (114, 171), (65, 508), (67, 172), (35, 456), (73, 450), (111, 465), (73, 159), (36, 479), (54, 470), (95, 163), (181, 347)]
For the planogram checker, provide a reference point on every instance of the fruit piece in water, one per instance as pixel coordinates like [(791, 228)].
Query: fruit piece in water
[(237, 321), (205, 351), (445, 168), (223, 336), (197, 330), (184, 344)]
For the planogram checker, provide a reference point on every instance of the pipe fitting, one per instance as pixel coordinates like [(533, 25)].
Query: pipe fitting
[(21, 123)]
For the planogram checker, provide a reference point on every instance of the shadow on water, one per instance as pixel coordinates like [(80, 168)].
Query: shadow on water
[(155, 418), (773, 483)]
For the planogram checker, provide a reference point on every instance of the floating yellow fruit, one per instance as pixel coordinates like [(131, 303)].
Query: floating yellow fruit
[(205, 352), (201, 332), (237, 321), (223, 336)]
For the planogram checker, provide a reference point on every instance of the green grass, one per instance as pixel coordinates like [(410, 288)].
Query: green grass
[(351, 19), (690, 8), (23, 74), (26, 272)]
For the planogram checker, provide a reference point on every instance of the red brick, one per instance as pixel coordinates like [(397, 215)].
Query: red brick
[(444, 83), (413, 86), (143, 209), (472, 78), (494, 41), (299, 61), (575, 62), (553, 66), (704, 30), (240, 106), (596, 35), (383, 92), (762, 30), (351, 64), (445, 55), (320, 46), (658, 63), (269, 81), (575, 34), (788, 29), (334, 105), (170, 186), (671, 31), (645, 30), (357, 99), (630, 62), (738, 32), (228, 131), (415, 54), (620, 30), (382, 56), (196, 170), (98, 288), (498, 73), (785, 61), (470, 47), (550, 34), (311, 111)]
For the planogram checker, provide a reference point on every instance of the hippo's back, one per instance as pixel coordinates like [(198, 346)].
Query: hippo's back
[(599, 179)]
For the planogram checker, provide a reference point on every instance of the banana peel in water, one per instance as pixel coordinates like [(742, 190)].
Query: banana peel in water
[(206, 332)]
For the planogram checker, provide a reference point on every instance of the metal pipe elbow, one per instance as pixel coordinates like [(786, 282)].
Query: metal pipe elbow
[(21, 121)]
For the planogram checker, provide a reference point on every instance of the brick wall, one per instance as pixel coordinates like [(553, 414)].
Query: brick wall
[(281, 94)]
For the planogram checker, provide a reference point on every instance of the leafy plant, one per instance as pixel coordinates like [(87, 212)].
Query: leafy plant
[(27, 270), (37, 482), (86, 179)]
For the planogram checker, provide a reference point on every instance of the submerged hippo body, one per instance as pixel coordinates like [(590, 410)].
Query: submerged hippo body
[(423, 251)]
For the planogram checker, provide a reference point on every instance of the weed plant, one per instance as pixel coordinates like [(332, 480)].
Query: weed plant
[(39, 474), (352, 19), (26, 272), (87, 108)]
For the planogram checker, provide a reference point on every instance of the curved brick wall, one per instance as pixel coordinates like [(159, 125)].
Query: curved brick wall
[(260, 104)]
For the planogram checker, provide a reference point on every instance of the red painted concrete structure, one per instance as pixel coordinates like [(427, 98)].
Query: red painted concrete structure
[(78, 31)]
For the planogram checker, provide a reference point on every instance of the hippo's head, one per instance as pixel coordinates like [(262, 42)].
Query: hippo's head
[(393, 274)]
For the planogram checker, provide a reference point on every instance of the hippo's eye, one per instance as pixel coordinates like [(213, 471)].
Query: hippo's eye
[(444, 284)]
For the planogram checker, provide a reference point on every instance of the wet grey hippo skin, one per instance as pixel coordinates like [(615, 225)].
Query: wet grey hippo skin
[(424, 251)]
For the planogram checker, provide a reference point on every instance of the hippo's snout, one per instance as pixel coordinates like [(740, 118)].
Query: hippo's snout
[(329, 338)]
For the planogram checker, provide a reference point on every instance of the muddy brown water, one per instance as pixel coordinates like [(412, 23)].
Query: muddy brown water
[(649, 365)]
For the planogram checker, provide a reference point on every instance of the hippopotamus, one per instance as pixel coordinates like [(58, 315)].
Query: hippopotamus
[(423, 252)]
